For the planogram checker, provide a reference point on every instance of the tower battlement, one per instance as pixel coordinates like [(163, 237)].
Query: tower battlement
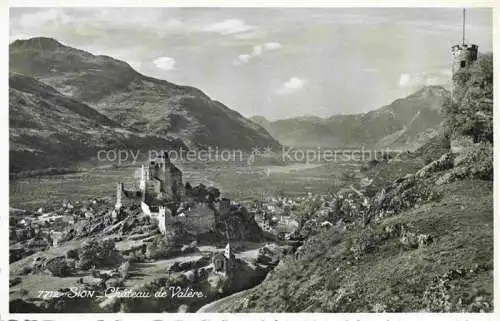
[(463, 56)]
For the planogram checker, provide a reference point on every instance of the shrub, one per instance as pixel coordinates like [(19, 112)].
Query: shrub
[(372, 163), (348, 176), (365, 243), (213, 194), (98, 254), (136, 256), (26, 270), (477, 161), (58, 267), (162, 248), (72, 254)]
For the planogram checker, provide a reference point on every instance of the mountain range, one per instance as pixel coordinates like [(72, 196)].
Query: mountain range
[(405, 123), (49, 129), (65, 103)]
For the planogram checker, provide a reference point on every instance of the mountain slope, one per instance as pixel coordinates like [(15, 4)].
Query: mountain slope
[(406, 122), (47, 128), (453, 274), (133, 100), (424, 242)]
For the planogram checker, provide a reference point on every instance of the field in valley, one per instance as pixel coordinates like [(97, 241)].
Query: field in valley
[(236, 180)]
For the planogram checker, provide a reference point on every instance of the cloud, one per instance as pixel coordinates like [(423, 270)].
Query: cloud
[(174, 23), (229, 27), (427, 78), (165, 63), (43, 17), (257, 51), (294, 84), (248, 35), (244, 58)]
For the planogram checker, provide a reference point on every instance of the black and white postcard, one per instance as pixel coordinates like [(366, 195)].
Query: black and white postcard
[(176, 159)]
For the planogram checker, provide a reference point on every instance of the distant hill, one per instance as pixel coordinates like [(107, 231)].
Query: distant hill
[(405, 123), (135, 101), (49, 129)]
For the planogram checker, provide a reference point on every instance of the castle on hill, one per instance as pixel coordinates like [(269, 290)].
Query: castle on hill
[(162, 196), (161, 181), (160, 190)]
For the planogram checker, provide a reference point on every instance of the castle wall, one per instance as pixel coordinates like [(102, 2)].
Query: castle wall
[(167, 181), (145, 209), (224, 206), (153, 188)]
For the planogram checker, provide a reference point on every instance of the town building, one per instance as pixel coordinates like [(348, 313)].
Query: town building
[(223, 262)]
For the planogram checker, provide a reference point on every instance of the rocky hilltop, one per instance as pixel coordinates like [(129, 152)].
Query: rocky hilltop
[(407, 122), (209, 249), (137, 102)]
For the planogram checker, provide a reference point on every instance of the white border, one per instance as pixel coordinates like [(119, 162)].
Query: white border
[(4, 285)]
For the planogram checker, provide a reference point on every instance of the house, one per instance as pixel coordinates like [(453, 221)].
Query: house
[(223, 262)]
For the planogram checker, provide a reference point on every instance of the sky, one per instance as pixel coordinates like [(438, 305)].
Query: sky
[(273, 62)]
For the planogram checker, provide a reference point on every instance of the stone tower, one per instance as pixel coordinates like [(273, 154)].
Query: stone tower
[(162, 220), (119, 190), (144, 177), (228, 251), (463, 54)]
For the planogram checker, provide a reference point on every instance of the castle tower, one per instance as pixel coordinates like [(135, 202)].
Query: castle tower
[(463, 54), (228, 252), (161, 220), (119, 190)]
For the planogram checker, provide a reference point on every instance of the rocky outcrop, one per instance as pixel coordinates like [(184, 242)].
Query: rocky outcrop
[(443, 163), (437, 296)]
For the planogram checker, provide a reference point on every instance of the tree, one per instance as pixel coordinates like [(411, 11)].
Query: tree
[(99, 254)]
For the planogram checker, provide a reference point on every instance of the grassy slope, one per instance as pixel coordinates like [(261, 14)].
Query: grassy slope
[(326, 277), (390, 277)]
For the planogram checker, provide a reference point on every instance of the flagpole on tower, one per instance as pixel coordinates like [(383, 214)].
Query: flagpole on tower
[(463, 26)]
